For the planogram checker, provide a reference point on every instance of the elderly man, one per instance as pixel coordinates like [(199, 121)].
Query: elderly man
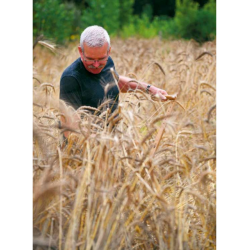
[(89, 81)]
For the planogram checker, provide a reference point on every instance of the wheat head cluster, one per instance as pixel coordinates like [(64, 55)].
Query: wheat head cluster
[(105, 189)]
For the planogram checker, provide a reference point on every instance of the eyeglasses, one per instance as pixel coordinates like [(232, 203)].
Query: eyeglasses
[(101, 61)]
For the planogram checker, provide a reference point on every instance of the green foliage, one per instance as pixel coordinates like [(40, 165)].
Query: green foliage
[(211, 6), (190, 22), (140, 27), (105, 14), (148, 11), (54, 20), (63, 20), (145, 26), (126, 11)]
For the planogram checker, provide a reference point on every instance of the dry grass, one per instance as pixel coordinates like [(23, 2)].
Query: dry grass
[(105, 189)]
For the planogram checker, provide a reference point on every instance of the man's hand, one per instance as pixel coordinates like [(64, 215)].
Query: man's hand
[(158, 93)]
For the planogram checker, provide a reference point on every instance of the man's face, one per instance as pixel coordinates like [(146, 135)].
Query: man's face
[(94, 58)]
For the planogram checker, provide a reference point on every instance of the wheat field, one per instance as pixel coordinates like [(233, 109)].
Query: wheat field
[(108, 188)]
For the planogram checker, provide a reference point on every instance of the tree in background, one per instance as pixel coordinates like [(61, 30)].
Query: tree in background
[(126, 12), (64, 20), (111, 14), (53, 19), (159, 7), (192, 22)]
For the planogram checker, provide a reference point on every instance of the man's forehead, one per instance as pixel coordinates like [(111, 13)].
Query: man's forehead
[(91, 50)]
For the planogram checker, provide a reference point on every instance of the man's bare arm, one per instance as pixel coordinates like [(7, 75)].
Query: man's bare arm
[(127, 83)]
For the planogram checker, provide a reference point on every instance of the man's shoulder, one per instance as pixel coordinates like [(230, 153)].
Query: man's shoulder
[(110, 62), (73, 69)]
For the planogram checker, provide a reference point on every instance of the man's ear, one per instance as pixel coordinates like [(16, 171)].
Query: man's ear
[(80, 49), (109, 50)]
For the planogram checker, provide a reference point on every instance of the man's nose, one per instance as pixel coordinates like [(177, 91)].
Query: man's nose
[(96, 64)]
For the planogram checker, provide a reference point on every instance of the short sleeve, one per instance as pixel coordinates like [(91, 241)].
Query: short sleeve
[(70, 91)]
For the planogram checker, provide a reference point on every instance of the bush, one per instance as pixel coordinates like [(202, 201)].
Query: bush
[(145, 26), (105, 14), (53, 19), (125, 13), (190, 22), (140, 27), (62, 22)]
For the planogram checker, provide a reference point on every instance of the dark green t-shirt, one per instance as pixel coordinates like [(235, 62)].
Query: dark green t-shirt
[(79, 87)]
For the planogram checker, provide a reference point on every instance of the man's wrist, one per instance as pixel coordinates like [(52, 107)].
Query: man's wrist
[(147, 88)]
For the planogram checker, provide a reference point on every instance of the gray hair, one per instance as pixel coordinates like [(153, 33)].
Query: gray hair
[(94, 36)]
